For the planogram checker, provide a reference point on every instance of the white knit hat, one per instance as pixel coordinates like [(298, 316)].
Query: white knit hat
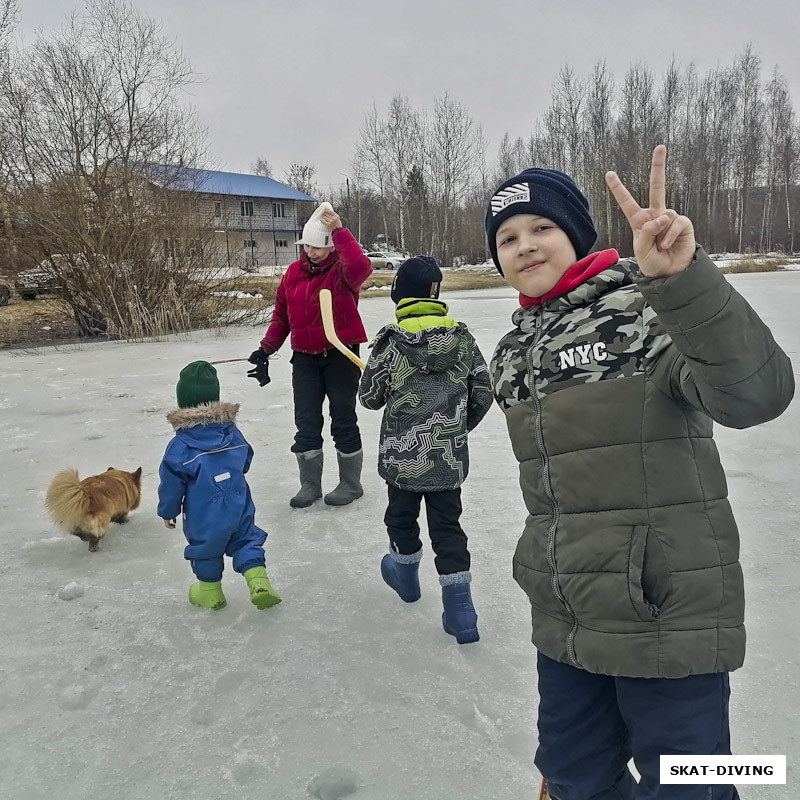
[(315, 232)]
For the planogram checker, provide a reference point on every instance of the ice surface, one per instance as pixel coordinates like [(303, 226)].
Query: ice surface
[(128, 691)]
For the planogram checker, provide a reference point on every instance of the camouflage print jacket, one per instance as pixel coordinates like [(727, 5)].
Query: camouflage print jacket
[(429, 373), (630, 553)]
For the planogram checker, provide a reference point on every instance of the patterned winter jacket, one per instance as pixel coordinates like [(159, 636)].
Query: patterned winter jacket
[(297, 310), (429, 373), (630, 553)]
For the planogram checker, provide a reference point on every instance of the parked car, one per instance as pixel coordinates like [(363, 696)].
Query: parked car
[(42, 279), (381, 260), (36, 281)]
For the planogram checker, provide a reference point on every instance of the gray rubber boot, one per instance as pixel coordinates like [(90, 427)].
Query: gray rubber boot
[(310, 465), (349, 487)]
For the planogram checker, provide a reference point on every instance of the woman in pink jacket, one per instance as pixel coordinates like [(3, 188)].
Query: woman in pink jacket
[(332, 259)]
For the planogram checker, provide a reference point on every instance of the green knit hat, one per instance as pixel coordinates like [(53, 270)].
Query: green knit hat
[(197, 384)]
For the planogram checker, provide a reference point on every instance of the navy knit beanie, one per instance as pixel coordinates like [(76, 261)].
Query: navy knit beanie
[(546, 193), (418, 276)]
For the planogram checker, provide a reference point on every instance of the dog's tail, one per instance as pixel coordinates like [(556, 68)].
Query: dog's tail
[(66, 500)]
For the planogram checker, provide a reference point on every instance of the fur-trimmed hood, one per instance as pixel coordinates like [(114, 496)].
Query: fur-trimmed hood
[(182, 418), (211, 426)]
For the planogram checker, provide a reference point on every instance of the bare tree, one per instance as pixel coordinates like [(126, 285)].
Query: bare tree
[(779, 124), (261, 167), (568, 105), (596, 131), (790, 166), (749, 150), (8, 19), (301, 177), (403, 140), (96, 145), (512, 157), (720, 87), (636, 132), (691, 164), (470, 239), (454, 153), (670, 108), (372, 160), (418, 211), (359, 181)]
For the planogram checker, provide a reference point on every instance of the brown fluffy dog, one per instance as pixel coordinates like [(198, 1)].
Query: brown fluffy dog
[(85, 508)]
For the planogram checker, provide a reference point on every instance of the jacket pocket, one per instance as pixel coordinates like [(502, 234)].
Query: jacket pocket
[(649, 581)]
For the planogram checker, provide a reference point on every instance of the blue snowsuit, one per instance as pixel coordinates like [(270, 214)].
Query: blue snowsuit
[(202, 475)]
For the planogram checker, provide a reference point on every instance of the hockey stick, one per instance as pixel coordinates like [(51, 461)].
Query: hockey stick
[(543, 794), (326, 306), (228, 361)]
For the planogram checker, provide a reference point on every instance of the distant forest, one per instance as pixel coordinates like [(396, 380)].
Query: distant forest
[(421, 177)]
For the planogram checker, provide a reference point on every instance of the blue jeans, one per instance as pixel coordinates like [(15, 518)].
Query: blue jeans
[(591, 725)]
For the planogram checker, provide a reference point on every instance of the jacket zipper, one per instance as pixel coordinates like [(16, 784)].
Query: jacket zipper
[(551, 534)]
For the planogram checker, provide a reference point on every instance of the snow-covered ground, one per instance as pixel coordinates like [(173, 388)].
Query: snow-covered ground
[(112, 685), (731, 259), (720, 259)]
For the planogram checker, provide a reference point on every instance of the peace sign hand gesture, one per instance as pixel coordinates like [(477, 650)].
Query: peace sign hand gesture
[(663, 240)]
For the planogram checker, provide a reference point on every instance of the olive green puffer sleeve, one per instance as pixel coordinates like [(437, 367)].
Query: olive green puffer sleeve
[(722, 358)]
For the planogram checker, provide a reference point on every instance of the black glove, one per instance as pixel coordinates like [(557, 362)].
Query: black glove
[(261, 370)]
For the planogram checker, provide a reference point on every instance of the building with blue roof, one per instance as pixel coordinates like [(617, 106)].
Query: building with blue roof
[(256, 219)]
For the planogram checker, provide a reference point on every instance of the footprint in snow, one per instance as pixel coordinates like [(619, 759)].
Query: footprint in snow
[(334, 784), (229, 682), (74, 695)]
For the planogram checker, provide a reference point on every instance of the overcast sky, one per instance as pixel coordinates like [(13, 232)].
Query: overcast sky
[(291, 80)]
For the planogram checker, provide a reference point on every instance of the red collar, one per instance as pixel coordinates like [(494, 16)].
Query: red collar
[(575, 275)]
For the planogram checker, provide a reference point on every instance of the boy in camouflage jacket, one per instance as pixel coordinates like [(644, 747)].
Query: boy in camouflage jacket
[(610, 382), (429, 373)]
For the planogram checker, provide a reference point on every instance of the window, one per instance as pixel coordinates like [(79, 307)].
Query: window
[(281, 243), (279, 209), (250, 243), (217, 209), (247, 208)]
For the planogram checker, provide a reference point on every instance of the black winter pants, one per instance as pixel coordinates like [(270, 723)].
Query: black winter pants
[(315, 377), (443, 510)]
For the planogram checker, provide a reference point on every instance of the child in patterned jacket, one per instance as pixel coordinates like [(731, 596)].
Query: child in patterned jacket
[(429, 373)]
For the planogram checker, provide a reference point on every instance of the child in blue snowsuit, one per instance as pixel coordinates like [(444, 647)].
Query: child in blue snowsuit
[(202, 475)]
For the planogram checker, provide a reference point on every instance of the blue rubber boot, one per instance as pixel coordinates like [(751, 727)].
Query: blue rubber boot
[(459, 618), (402, 574)]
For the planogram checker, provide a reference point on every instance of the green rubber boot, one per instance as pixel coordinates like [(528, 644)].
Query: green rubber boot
[(262, 595), (207, 595)]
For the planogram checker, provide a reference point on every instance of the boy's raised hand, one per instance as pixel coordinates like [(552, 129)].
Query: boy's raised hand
[(663, 240)]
